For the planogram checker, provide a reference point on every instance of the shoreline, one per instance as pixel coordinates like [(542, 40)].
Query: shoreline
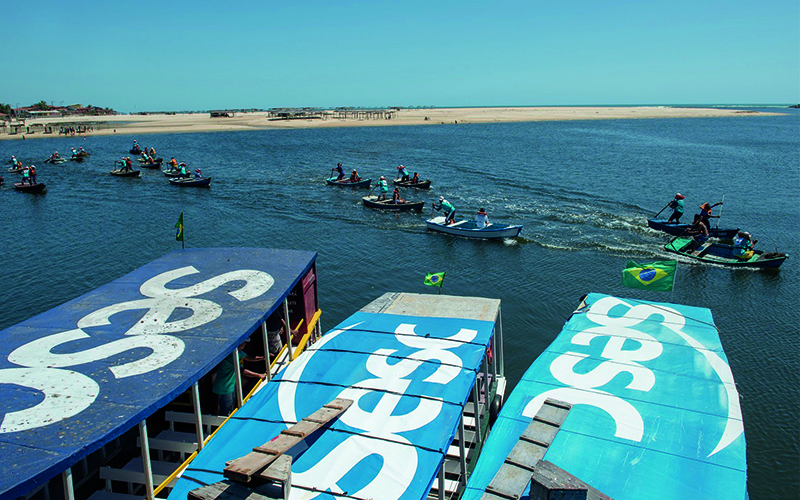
[(202, 122)]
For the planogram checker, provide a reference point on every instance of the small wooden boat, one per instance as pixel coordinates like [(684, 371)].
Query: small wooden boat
[(173, 173), (719, 253), (58, 160), (77, 158), (372, 202), (418, 185), (30, 188), (363, 183), (126, 173), (135, 151), (155, 164), (469, 228), (680, 229), (83, 154), (191, 182), (17, 170)]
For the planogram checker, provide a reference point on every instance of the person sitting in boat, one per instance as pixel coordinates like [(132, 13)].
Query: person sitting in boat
[(705, 213), (743, 245), (481, 218), (698, 231), (198, 174), (340, 171), (182, 168), (404, 176), (173, 162), (383, 188), (449, 210), (677, 209), (415, 179), (82, 152), (74, 152), (152, 152), (354, 177), (396, 199), (55, 156)]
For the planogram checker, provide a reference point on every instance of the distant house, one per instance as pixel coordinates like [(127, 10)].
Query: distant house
[(222, 114), (44, 114)]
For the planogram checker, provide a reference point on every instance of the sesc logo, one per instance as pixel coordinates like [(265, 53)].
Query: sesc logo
[(46, 364), (618, 357)]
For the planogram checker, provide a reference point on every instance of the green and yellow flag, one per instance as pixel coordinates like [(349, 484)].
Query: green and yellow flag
[(659, 276), (179, 226), (434, 279)]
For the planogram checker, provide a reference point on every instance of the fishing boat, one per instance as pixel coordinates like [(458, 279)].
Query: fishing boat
[(657, 419), (173, 172), (470, 229), (719, 253), (413, 370), (154, 165), (363, 183), (126, 173), (77, 158), (419, 185), (105, 396), (39, 187), (135, 151), (16, 170), (56, 161), (681, 229), (404, 206), (191, 181)]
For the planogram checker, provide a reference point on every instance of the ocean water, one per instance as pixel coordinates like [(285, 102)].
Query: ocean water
[(583, 190)]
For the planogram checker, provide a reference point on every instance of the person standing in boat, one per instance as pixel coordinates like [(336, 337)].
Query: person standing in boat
[(276, 333), (182, 168), (128, 164), (743, 245), (198, 174), (383, 188), (26, 176), (481, 218), (153, 153), (404, 176), (340, 171), (677, 206), (33, 174), (225, 379), (705, 213), (449, 210)]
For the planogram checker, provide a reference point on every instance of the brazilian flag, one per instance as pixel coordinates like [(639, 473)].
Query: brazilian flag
[(434, 279), (179, 227), (659, 276)]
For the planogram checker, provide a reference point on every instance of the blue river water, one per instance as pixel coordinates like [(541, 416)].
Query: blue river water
[(583, 190)]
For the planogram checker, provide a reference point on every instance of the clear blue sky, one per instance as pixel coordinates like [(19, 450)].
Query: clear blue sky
[(174, 55)]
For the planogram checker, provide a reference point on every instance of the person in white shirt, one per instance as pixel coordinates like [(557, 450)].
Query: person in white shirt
[(482, 218)]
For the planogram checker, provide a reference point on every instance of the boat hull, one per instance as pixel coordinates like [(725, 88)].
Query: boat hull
[(718, 253), (16, 170), (28, 188), (204, 182), (135, 151), (363, 183), (418, 185), (680, 229), (155, 165), (469, 229), (132, 173), (372, 202)]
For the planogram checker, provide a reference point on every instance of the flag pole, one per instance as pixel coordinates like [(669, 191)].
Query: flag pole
[(720, 209), (440, 288)]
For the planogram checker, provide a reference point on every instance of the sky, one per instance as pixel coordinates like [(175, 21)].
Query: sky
[(175, 55)]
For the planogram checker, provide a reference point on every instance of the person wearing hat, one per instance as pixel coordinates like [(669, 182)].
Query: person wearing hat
[(404, 176), (383, 188), (354, 177), (743, 245), (677, 209), (225, 378), (449, 210), (705, 213)]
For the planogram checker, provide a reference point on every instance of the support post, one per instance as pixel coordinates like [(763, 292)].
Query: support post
[(462, 452), (288, 329), (500, 343), (486, 382), (266, 350), (477, 414), (441, 480), (198, 416), (148, 471), (66, 478), (494, 357), (237, 377)]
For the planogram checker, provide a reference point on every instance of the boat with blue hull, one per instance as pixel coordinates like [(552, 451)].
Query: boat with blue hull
[(470, 229), (634, 400), (681, 229), (363, 183), (720, 253), (77, 381), (413, 366)]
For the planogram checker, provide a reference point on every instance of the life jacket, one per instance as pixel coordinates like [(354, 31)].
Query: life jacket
[(415, 179)]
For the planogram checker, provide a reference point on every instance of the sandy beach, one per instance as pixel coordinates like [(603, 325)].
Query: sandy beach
[(202, 122)]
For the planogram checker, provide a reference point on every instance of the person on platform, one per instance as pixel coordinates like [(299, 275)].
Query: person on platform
[(448, 208), (225, 378), (743, 245), (354, 177), (340, 172), (404, 176), (383, 188), (677, 209), (481, 218), (705, 213)]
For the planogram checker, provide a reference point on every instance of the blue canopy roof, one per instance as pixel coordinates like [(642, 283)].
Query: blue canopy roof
[(656, 413), (77, 376), (409, 377)]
